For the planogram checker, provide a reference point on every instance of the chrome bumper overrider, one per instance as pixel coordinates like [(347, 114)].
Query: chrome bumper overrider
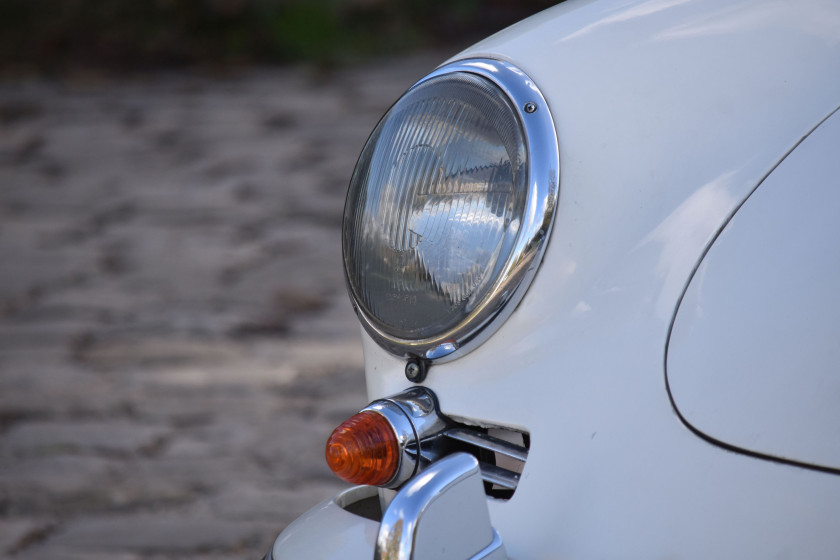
[(440, 514)]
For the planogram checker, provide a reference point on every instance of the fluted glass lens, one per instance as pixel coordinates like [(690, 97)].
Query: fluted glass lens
[(435, 206)]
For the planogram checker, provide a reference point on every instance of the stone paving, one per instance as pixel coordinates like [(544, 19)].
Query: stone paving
[(176, 343)]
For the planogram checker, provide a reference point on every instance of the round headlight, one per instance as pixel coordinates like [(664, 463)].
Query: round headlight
[(449, 208)]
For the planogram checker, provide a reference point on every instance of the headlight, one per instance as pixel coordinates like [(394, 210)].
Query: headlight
[(449, 208)]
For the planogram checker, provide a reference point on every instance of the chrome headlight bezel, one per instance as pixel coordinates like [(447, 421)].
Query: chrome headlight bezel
[(542, 184)]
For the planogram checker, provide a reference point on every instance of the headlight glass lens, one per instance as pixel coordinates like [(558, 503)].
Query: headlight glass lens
[(435, 206)]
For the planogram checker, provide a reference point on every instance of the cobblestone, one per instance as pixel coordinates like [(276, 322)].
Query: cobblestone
[(175, 339)]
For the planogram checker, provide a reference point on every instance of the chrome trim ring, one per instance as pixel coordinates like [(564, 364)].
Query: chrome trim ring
[(406, 437), (521, 266)]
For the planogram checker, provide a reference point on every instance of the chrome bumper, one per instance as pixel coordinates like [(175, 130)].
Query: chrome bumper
[(440, 514)]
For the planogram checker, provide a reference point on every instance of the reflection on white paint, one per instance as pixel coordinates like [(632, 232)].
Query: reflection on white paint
[(821, 23), (567, 268), (684, 233), (633, 12), (581, 308)]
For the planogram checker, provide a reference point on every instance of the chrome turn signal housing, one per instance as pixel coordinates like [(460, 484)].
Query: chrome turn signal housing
[(393, 439)]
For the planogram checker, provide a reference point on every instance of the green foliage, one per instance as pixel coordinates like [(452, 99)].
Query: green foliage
[(45, 35)]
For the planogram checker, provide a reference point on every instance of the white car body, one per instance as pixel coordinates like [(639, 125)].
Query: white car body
[(673, 118)]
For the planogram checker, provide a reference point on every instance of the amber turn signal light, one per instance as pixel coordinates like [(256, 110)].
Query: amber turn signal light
[(364, 450)]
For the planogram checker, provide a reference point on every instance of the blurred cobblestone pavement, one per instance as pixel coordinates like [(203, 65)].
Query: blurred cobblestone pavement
[(175, 339)]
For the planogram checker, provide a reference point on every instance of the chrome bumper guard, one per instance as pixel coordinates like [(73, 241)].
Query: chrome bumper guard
[(440, 514)]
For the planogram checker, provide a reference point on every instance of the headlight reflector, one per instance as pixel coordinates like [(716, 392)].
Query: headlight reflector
[(441, 209), (438, 196)]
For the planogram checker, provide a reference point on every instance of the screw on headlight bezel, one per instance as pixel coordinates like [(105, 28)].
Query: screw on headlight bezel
[(542, 184)]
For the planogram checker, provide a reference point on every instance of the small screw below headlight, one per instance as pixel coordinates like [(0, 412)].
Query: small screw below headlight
[(415, 371), (530, 107)]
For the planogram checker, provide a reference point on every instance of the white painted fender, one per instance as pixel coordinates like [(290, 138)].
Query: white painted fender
[(669, 114)]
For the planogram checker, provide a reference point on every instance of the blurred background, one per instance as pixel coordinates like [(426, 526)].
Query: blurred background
[(60, 35), (175, 339)]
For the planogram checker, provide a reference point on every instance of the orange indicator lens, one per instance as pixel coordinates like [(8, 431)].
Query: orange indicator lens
[(364, 450)]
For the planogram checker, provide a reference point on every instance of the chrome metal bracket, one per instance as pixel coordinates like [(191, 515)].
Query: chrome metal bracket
[(425, 435)]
